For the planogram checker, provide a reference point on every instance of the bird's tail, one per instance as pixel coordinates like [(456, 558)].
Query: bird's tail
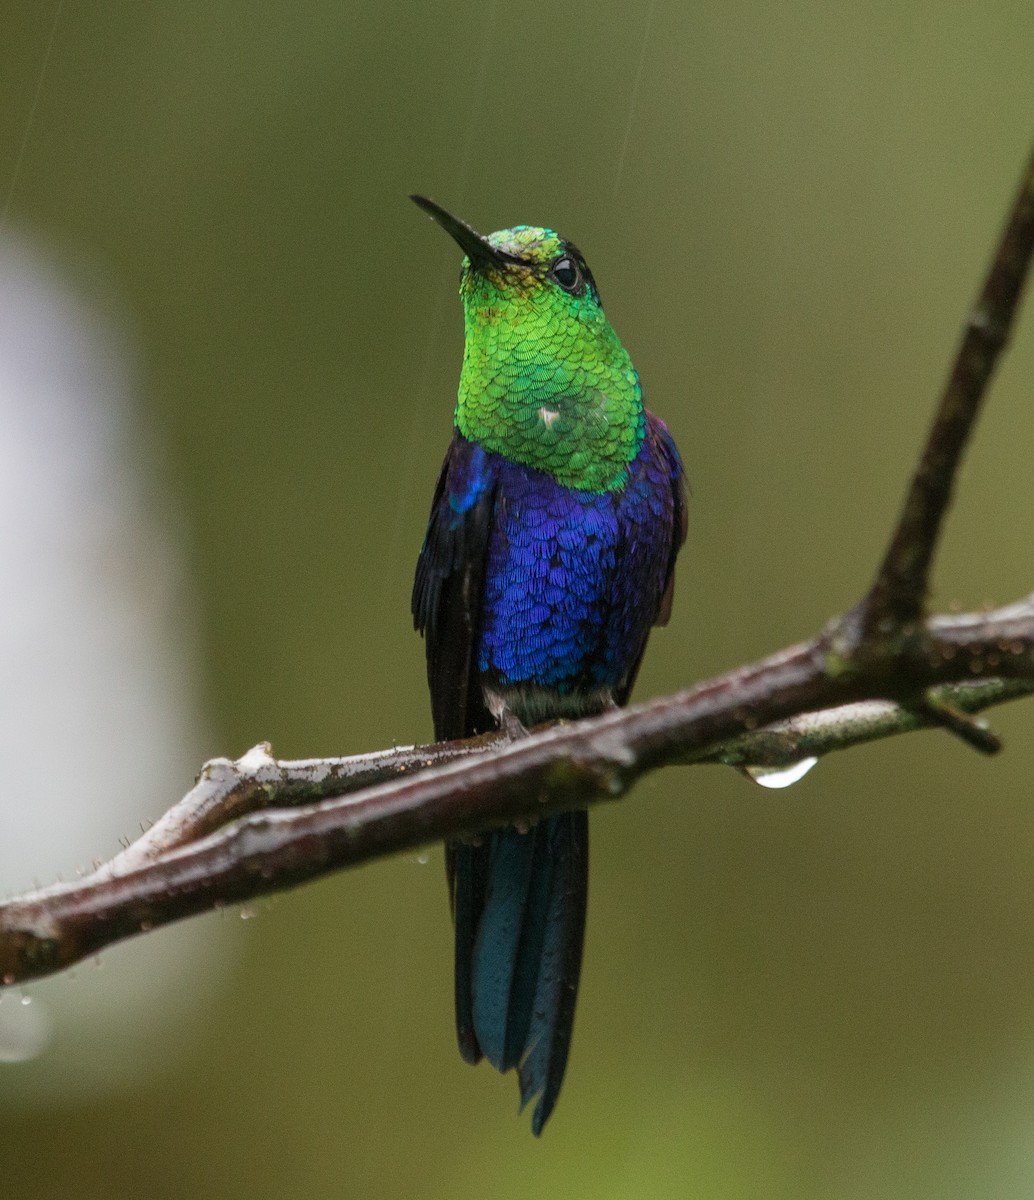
[(519, 910)]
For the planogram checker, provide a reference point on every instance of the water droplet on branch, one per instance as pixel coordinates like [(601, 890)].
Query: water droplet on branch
[(780, 777)]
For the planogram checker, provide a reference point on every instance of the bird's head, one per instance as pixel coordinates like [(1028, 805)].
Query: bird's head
[(545, 379)]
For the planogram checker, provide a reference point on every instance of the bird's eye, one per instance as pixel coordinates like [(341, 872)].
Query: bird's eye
[(565, 272)]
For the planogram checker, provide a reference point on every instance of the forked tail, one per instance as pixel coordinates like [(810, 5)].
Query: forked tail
[(519, 910)]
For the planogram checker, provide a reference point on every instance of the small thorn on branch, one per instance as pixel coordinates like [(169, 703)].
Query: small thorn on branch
[(971, 730)]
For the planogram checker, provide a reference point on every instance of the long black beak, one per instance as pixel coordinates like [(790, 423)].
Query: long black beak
[(480, 253)]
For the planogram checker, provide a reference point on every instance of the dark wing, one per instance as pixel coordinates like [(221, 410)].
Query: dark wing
[(449, 586), (447, 598), (669, 475), (680, 516)]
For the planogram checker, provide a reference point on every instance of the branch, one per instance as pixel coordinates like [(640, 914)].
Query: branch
[(899, 592), (257, 826), (566, 765), (812, 735)]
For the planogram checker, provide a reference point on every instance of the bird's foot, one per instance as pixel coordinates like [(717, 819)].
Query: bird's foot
[(512, 726)]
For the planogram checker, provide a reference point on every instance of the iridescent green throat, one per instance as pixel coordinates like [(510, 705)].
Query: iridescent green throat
[(545, 380)]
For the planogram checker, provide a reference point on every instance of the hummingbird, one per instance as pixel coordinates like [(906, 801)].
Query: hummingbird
[(549, 555)]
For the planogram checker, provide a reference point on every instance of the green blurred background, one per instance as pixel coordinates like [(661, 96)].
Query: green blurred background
[(823, 992)]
